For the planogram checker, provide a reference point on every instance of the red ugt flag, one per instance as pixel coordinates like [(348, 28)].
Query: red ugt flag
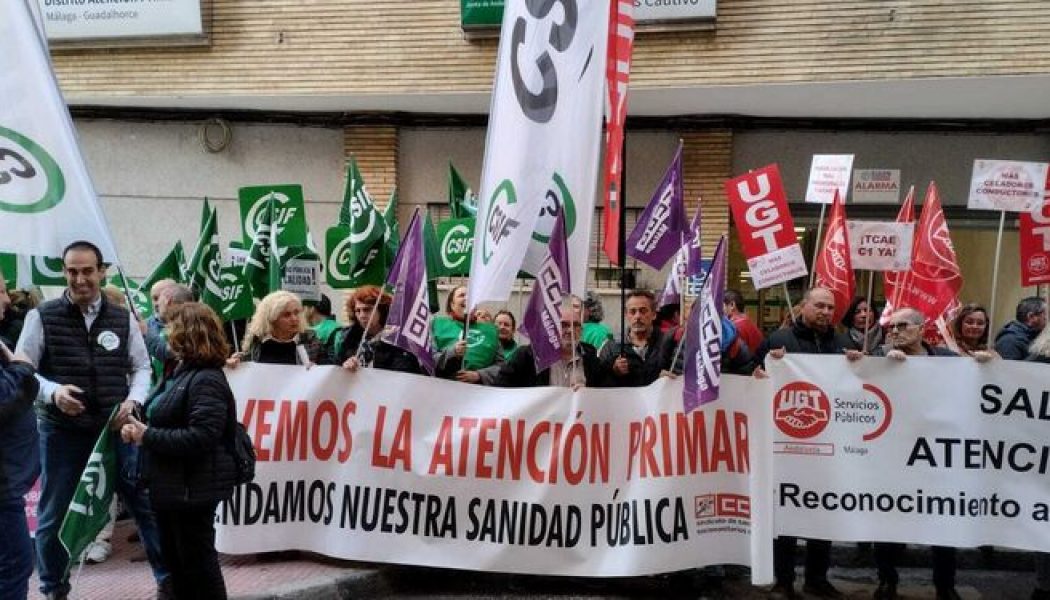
[(834, 268), (935, 279), (617, 73)]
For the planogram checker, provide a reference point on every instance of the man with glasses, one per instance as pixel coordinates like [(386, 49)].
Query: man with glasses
[(576, 367), (811, 333), (904, 337), (90, 358)]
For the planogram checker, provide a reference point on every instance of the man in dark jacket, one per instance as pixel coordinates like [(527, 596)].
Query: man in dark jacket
[(812, 333), (90, 358), (19, 465), (574, 368), (1013, 340), (905, 339), (640, 360)]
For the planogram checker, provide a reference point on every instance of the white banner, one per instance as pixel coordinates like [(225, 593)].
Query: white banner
[(934, 450), (1007, 185), (46, 196), (601, 482), (827, 173), (876, 186), (541, 150), (880, 245)]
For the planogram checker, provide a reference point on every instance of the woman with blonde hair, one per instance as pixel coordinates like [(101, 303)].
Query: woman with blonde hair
[(277, 334), (185, 463)]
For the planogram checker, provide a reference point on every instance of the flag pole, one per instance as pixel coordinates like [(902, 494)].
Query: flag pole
[(622, 245), (127, 293), (236, 342), (871, 312), (995, 268), (816, 246), (791, 307)]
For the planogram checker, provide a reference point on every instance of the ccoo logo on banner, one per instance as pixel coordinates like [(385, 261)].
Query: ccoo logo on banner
[(541, 151)]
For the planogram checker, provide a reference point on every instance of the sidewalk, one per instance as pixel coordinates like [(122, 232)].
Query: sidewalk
[(126, 576)]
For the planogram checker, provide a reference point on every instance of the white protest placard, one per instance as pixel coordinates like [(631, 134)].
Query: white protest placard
[(880, 245), (302, 276), (1007, 185), (598, 482), (827, 173), (932, 450), (876, 186)]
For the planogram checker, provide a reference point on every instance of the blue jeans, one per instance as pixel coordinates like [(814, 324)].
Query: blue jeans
[(16, 552), (63, 455)]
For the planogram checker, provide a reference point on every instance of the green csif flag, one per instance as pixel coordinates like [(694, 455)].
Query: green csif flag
[(140, 300), (206, 260), (262, 269), (391, 237), (461, 199), (356, 248), (233, 298), (169, 268), (88, 512)]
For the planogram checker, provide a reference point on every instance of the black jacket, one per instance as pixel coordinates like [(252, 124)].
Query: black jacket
[(640, 372), (800, 339), (185, 460), (520, 370), (19, 445), (344, 342), (1013, 340)]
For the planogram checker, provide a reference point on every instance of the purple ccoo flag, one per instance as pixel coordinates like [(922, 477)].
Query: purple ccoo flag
[(541, 322), (686, 266), (408, 322), (672, 293), (693, 267), (703, 337), (661, 229)]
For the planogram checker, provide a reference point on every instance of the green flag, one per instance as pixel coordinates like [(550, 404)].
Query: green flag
[(359, 211), (9, 269), (205, 213), (455, 239), (348, 265), (88, 512), (262, 269), (461, 199), (206, 261), (48, 270), (430, 252), (233, 298), (140, 300), (169, 268), (391, 237)]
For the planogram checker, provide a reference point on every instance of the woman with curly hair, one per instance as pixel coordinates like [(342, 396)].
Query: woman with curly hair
[(277, 334), (360, 344), (970, 329), (185, 463)]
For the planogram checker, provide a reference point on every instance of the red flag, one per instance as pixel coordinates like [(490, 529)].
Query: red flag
[(834, 268), (935, 279), (891, 279), (617, 73)]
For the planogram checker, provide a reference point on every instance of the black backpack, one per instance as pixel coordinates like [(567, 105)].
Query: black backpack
[(240, 447)]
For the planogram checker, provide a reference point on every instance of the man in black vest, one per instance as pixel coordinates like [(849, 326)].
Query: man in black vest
[(90, 357)]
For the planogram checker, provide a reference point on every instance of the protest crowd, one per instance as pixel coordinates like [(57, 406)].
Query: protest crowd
[(120, 397)]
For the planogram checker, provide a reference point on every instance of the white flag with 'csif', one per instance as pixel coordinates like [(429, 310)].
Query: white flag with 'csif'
[(543, 141), (47, 199)]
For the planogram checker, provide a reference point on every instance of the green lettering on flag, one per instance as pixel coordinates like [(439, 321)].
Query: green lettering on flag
[(461, 199), (89, 510)]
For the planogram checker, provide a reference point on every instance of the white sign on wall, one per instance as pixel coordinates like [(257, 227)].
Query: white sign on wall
[(672, 10), (876, 186), (76, 20)]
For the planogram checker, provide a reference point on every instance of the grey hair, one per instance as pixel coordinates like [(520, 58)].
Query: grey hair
[(1041, 344)]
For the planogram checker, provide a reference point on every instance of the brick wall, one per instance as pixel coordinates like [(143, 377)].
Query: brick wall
[(375, 148)]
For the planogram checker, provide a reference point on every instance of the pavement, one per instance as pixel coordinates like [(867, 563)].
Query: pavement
[(302, 576)]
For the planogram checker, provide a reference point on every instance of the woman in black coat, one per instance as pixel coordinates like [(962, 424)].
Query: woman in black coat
[(185, 461)]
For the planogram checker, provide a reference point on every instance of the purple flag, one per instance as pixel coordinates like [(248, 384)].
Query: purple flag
[(661, 229), (703, 337), (693, 267), (541, 322), (408, 323), (686, 266)]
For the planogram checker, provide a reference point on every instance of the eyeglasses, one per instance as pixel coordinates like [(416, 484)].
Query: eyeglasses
[(574, 324), (901, 326)]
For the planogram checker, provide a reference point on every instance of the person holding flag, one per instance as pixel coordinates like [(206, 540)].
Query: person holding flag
[(91, 361), (640, 359), (576, 365), (464, 347), (360, 344)]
